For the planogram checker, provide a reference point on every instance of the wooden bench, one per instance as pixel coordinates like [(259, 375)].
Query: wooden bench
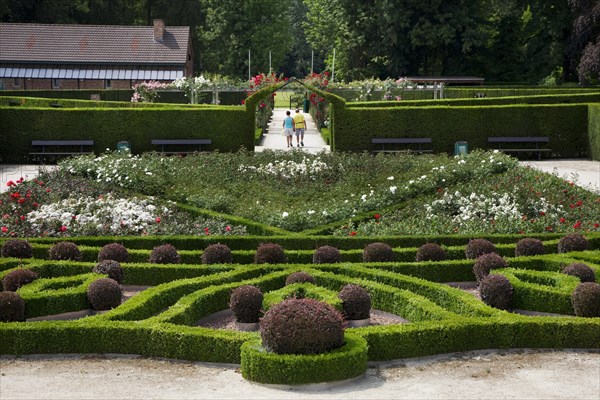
[(180, 146), (56, 148), (502, 143), (394, 145)]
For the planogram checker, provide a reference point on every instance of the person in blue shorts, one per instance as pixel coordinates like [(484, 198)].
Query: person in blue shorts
[(288, 129)]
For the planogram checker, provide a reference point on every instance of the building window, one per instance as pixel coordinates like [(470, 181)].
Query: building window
[(55, 83), (17, 82), (108, 84)]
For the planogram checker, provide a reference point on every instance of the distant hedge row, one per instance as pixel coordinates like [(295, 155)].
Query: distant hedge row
[(594, 131)]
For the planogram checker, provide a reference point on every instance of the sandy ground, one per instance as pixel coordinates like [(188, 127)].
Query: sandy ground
[(516, 374)]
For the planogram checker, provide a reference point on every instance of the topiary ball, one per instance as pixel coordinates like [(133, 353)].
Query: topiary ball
[(326, 255), (356, 302), (104, 294), (16, 248), (302, 326), (529, 247), (115, 252), (573, 242), (378, 252), (65, 251), (246, 303), (217, 254), (487, 262), (111, 268), (17, 278), (164, 254), (586, 299), (496, 291), (431, 252), (478, 247), (12, 307), (299, 277), (270, 253), (580, 270)]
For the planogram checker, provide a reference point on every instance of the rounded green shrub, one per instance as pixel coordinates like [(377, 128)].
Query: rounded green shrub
[(356, 302), (529, 247), (326, 255), (164, 254), (378, 252), (12, 307), (586, 299), (17, 278), (104, 294), (246, 303), (573, 242), (431, 252), (115, 252), (16, 248), (487, 262), (270, 253), (478, 247), (217, 254), (580, 270), (496, 291), (302, 326), (299, 277), (65, 251), (111, 268)]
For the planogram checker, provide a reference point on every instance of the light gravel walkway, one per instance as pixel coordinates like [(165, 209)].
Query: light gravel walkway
[(583, 172)]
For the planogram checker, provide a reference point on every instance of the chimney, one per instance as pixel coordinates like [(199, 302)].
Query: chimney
[(159, 30)]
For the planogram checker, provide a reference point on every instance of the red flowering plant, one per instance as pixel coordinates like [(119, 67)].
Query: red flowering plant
[(264, 108), (17, 202), (319, 109)]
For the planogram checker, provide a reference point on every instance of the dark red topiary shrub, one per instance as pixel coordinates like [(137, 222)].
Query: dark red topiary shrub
[(111, 268), (17, 278), (115, 252), (217, 254), (65, 251), (356, 302), (16, 248), (164, 254), (529, 247), (104, 294), (478, 247), (246, 303), (302, 326), (270, 253), (487, 262), (326, 255), (586, 300), (580, 270), (573, 242), (496, 291), (299, 277), (378, 252), (431, 252), (12, 307)]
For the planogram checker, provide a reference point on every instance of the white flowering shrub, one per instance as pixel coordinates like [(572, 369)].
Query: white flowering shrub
[(306, 168)]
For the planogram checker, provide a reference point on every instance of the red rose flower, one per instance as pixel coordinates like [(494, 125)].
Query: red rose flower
[(577, 225), (157, 220), (4, 229)]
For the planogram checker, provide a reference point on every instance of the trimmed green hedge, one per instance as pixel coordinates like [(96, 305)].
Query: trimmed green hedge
[(347, 362), (594, 131), (227, 126), (565, 125), (307, 290)]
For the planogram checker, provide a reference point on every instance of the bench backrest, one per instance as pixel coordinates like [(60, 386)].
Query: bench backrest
[(181, 141), (62, 142), (519, 139), (400, 140)]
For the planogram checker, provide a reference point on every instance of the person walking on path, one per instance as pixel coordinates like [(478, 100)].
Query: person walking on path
[(299, 125), (288, 129)]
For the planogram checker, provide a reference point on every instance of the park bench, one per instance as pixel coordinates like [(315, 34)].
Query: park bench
[(521, 144), (56, 148), (402, 145), (180, 146)]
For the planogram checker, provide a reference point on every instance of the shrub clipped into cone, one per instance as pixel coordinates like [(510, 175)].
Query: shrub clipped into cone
[(580, 270), (487, 262), (16, 248), (378, 252), (104, 294), (573, 242), (496, 291), (586, 300), (356, 302), (326, 255), (299, 277), (431, 252), (217, 254), (529, 247), (12, 307), (17, 278), (113, 251), (65, 251), (111, 268), (270, 253), (246, 303), (164, 254), (479, 247)]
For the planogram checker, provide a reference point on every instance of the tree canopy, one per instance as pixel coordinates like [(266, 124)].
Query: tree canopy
[(518, 41)]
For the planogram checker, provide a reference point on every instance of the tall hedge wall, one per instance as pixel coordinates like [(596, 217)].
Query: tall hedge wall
[(566, 125), (594, 130), (228, 127)]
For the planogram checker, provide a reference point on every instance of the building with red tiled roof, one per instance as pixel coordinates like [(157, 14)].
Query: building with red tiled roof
[(53, 56)]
